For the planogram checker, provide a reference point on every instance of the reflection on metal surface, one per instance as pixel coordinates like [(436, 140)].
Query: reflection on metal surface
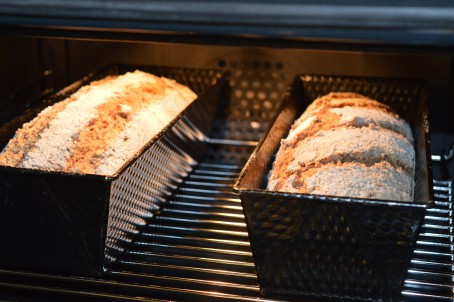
[(197, 248)]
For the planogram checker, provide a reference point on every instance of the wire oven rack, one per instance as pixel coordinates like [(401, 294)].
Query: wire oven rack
[(197, 249)]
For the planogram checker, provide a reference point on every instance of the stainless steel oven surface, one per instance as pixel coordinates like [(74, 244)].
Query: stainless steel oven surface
[(196, 246)]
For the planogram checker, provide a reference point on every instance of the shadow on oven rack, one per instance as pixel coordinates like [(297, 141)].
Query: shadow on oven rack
[(197, 248)]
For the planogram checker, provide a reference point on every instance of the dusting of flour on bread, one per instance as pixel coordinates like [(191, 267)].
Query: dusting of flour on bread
[(346, 144), (100, 127)]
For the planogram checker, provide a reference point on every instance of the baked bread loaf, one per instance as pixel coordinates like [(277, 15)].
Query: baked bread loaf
[(346, 144), (100, 127)]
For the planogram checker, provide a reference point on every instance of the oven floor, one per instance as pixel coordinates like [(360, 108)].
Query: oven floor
[(196, 248)]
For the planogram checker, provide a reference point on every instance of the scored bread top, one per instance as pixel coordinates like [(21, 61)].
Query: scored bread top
[(367, 145), (98, 128), (346, 133), (343, 99), (351, 179), (347, 109)]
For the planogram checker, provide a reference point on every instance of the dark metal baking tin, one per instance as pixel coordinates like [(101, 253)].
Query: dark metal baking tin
[(74, 223), (335, 247)]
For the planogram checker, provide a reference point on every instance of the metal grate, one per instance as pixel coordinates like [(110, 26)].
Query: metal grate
[(197, 248), (430, 276)]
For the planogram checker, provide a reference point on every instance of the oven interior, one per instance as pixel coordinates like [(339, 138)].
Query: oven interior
[(197, 247)]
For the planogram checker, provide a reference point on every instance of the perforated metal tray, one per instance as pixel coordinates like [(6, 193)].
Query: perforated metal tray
[(326, 246), (197, 247), (74, 223)]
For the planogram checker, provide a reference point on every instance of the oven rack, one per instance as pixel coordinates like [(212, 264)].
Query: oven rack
[(196, 249)]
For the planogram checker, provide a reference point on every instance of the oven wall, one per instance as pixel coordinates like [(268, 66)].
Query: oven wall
[(22, 59)]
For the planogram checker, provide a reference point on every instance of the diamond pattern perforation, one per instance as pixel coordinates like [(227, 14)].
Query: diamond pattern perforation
[(148, 276), (313, 248), (430, 279), (389, 235), (327, 258), (331, 253), (273, 227), (146, 184), (374, 239)]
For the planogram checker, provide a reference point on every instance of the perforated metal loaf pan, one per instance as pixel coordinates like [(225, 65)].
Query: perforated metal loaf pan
[(325, 246), (72, 223)]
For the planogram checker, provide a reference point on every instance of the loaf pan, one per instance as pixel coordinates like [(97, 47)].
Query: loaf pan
[(73, 223), (334, 247)]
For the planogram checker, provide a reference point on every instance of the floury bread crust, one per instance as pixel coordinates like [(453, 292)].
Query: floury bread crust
[(345, 144), (378, 181), (342, 109), (100, 127)]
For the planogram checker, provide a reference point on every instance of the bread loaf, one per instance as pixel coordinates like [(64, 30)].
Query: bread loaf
[(100, 127), (346, 144)]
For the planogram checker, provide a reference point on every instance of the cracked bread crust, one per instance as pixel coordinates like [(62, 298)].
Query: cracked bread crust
[(347, 109), (367, 145), (346, 134), (100, 127), (379, 181), (343, 99)]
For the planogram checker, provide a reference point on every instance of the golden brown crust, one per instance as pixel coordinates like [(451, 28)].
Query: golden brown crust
[(337, 129), (100, 127), (379, 181), (325, 114), (26, 137), (112, 118)]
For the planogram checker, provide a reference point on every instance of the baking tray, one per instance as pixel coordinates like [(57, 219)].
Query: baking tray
[(73, 223), (334, 247)]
